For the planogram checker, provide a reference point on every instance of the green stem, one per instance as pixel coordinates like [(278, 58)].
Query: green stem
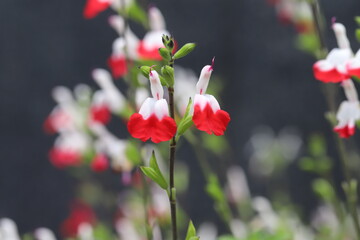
[(145, 193), (172, 195)]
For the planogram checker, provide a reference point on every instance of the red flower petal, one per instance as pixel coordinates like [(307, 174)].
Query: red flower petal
[(331, 75), (354, 72), (100, 114), (80, 213), (100, 163), (210, 122), (151, 128), (118, 66), (146, 54), (64, 158), (345, 132), (94, 7)]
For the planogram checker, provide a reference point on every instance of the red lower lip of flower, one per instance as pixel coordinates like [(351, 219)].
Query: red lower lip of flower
[(354, 72), (118, 66), (94, 7), (151, 128), (64, 158), (100, 114), (332, 75), (80, 213), (210, 122), (345, 132)]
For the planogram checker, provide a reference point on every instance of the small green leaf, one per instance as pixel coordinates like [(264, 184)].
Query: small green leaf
[(357, 34), (163, 81), (136, 13), (154, 173), (357, 20), (191, 231), (324, 189), (165, 54), (186, 122), (154, 165), (145, 71), (168, 74), (185, 50)]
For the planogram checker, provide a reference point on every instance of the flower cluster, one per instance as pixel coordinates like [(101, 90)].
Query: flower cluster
[(340, 66)]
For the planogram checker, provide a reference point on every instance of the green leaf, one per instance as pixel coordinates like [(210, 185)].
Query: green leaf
[(357, 20), (154, 165), (154, 173), (228, 237), (163, 81), (136, 13), (102, 232), (185, 50), (357, 34), (324, 189), (145, 71), (186, 122), (165, 54), (168, 74), (191, 231), (317, 145)]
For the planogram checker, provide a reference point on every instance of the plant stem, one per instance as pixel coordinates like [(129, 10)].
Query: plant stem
[(172, 193), (145, 193), (330, 95)]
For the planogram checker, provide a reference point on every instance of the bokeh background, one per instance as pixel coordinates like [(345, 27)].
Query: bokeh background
[(45, 43)]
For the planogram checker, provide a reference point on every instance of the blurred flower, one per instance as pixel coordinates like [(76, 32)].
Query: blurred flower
[(113, 97), (266, 218), (113, 147), (8, 229), (94, 7), (148, 48), (100, 163), (334, 67), (131, 41), (85, 231), (237, 186), (271, 153), (80, 213), (208, 231), (153, 121), (347, 114), (117, 61), (69, 148), (99, 110), (208, 116), (44, 234)]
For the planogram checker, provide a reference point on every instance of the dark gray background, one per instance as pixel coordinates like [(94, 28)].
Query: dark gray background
[(45, 43)]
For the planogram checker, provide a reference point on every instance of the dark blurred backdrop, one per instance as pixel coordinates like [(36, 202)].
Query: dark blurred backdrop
[(45, 43)]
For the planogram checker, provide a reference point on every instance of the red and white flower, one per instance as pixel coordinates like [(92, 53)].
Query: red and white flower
[(113, 97), (208, 116), (94, 7), (334, 67), (111, 146), (99, 110), (69, 148), (153, 121), (148, 48), (349, 111), (117, 60), (131, 40)]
